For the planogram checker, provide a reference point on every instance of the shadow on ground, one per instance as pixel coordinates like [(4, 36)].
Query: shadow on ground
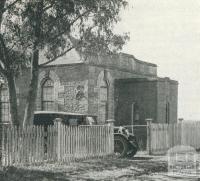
[(93, 169)]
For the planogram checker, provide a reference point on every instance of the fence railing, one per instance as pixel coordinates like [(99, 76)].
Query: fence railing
[(55, 143), (162, 137)]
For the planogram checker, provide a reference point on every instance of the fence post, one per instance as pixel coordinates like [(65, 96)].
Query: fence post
[(57, 124), (2, 145), (110, 123), (149, 121)]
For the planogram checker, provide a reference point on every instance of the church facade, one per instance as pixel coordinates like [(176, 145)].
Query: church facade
[(105, 86)]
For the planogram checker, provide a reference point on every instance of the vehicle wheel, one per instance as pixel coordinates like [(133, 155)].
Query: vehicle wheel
[(120, 146), (132, 153)]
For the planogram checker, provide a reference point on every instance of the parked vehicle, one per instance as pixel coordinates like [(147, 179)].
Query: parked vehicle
[(125, 144), (71, 119)]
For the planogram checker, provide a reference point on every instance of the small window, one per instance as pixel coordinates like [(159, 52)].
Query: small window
[(48, 95)]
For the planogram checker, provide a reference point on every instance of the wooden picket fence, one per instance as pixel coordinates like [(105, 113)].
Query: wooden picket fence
[(162, 137), (56, 143)]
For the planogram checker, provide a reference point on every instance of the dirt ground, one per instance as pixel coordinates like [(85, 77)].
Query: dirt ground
[(140, 168)]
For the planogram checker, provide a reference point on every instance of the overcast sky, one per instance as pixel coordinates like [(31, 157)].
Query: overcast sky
[(167, 32)]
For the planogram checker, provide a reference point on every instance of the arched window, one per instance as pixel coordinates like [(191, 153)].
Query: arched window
[(103, 101), (48, 95), (4, 105)]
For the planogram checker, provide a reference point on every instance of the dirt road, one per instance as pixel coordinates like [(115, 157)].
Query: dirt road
[(139, 168)]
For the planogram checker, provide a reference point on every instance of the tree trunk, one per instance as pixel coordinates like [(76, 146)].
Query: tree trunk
[(13, 99), (32, 94), (2, 5)]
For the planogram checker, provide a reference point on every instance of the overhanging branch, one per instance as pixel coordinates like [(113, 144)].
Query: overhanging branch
[(60, 55)]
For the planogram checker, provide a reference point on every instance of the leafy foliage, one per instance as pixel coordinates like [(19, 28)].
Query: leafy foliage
[(13, 55), (64, 24), (53, 27)]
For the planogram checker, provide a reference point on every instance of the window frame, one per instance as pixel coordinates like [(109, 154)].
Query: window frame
[(46, 102)]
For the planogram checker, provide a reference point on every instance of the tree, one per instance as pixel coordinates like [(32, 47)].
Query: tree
[(12, 56), (54, 27)]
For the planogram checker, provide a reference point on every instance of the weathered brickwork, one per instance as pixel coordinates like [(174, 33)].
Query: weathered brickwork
[(76, 97), (70, 95)]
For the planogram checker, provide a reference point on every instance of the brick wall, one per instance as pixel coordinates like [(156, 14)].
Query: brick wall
[(150, 98), (142, 94), (174, 101), (110, 68), (96, 74), (167, 93)]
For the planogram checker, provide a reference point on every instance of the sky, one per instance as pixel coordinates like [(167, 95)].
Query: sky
[(167, 33)]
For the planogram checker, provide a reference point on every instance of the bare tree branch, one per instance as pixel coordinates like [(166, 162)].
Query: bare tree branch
[(60, 55), (79, 16)]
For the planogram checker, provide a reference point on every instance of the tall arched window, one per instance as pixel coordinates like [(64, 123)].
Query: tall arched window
[(4, 105), (48, 95), (103, 101)]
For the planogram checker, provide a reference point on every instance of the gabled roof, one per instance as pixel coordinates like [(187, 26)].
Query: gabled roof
[(71, 57), (120, 61)]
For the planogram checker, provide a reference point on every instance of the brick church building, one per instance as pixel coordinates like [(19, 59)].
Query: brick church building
[(116, 87)]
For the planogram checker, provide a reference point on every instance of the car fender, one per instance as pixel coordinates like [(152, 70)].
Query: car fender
[(122, 135)]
